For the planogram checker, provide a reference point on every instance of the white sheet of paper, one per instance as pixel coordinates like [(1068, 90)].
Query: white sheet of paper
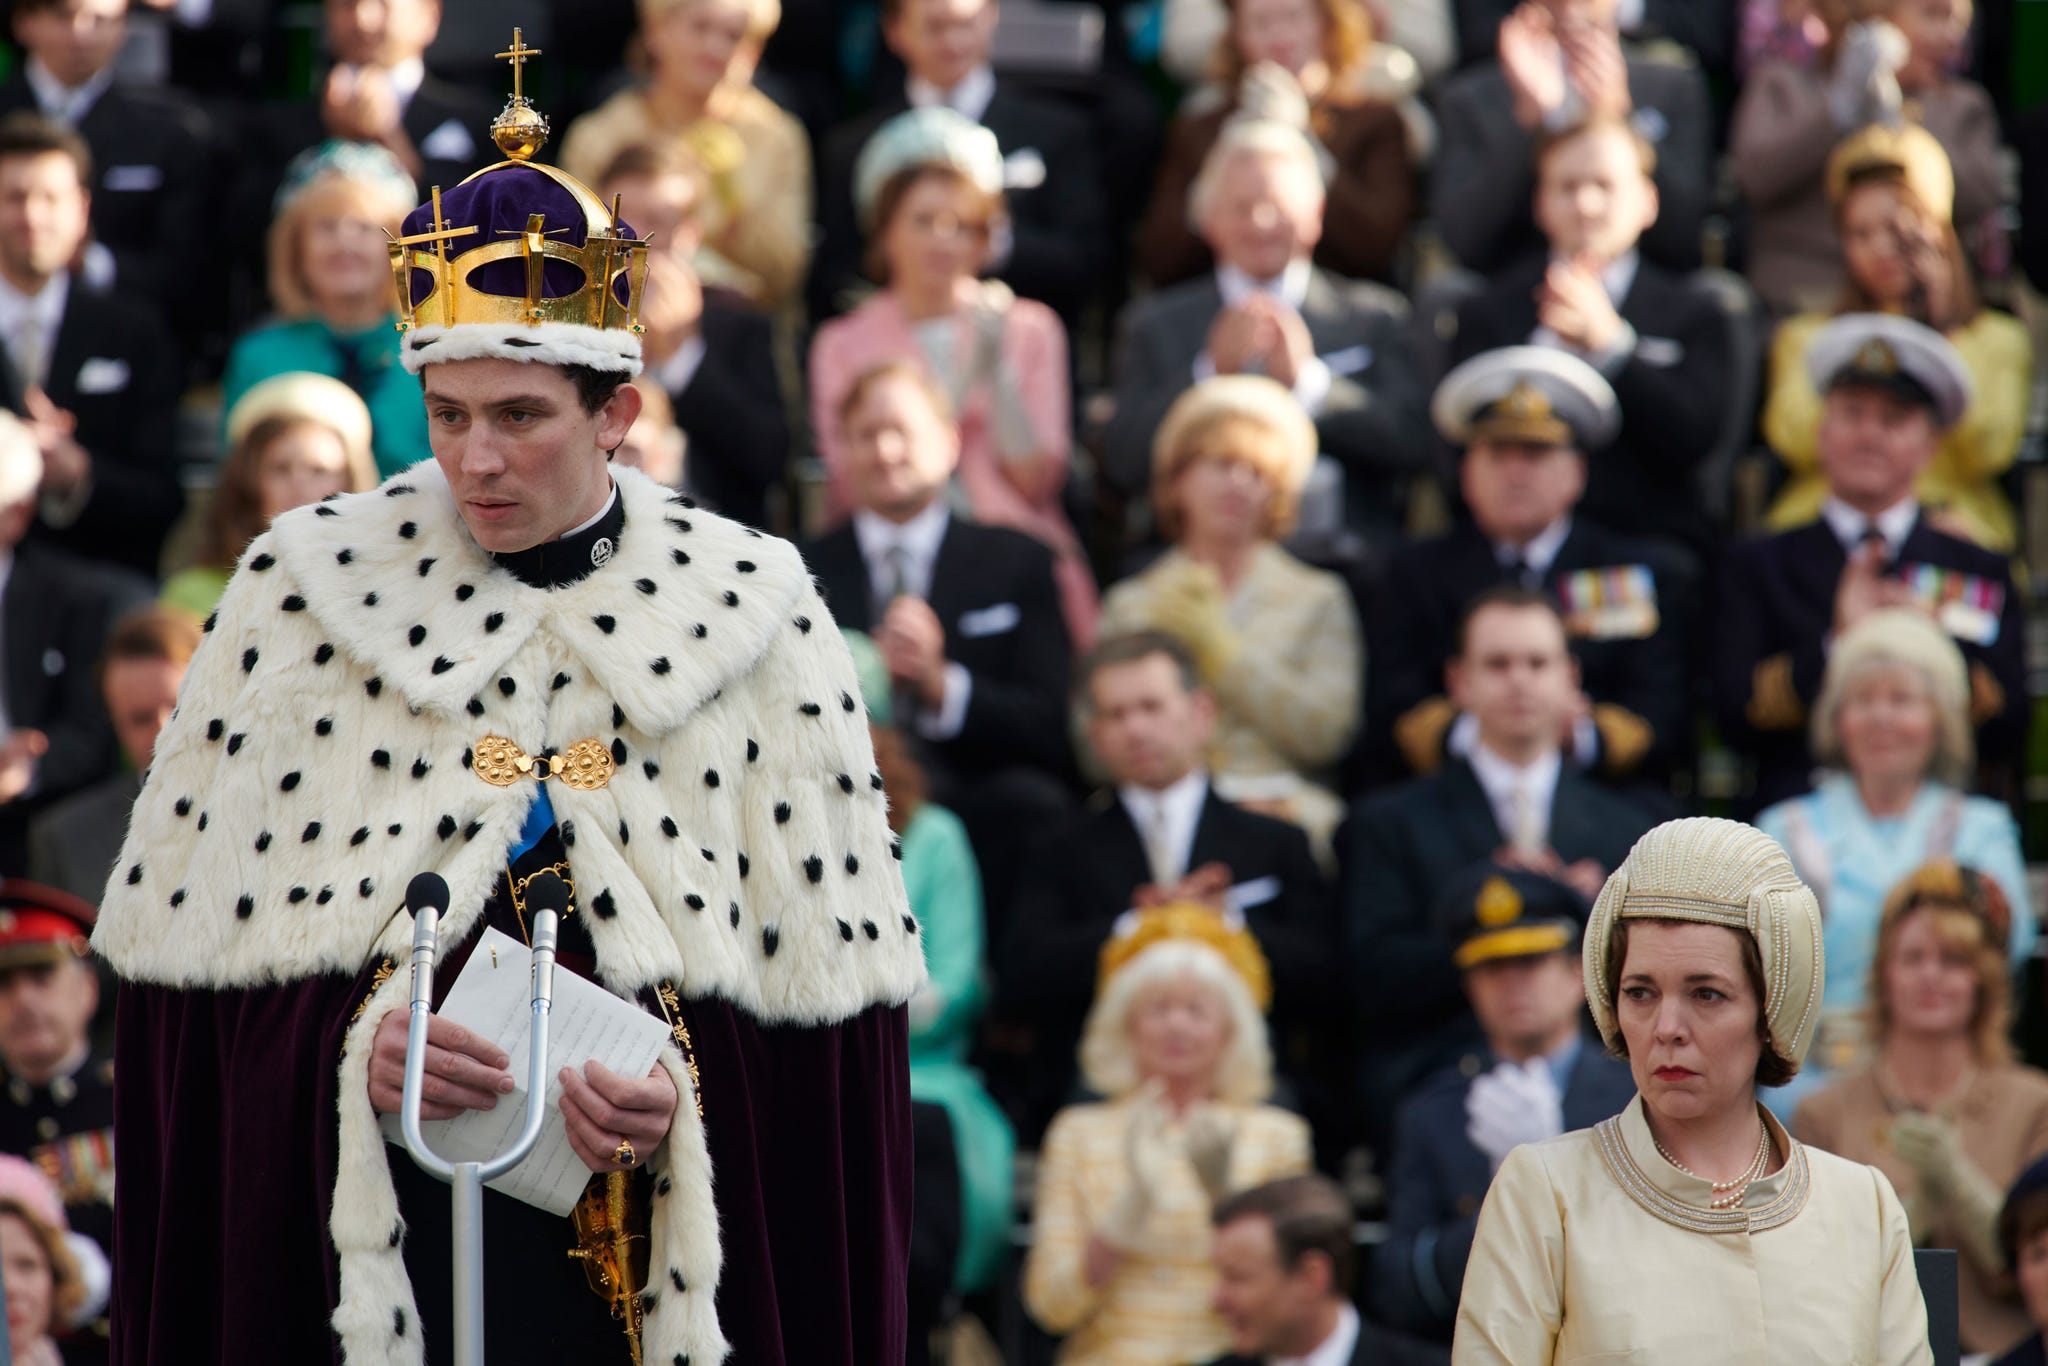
[(494, 997)]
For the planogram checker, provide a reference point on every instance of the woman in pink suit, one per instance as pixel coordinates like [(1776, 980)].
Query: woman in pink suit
[(929, 190)]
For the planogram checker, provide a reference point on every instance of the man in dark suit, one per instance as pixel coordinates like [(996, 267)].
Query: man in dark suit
[(151, 154), (91, 373), (1525, 417), (1516, 943), (1058, 245), (1511, 801), (1283, 1253), (1339, 346), (710, 350), (1657, 338), (1892, 388), (1559, 62), (1166, 837)]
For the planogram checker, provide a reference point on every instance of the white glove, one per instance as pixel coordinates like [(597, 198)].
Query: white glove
[(1864, 87), (1147, 1151), (96, 1275), (1512, 1105), (1210, 1137)]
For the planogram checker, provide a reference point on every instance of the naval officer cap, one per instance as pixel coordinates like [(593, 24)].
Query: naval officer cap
[(1894, 354), (1533, 394)]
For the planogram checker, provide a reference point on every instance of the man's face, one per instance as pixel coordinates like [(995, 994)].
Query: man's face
[(941, 41), (1147, 727), (661, 208), (140, 694), (1516, 677), (1265, 211), (1267, 1308), (900, 450), (1873, 445), (1515, 488), (43, 213), (1524, 1002), (75, 39), (1592, 198), (44, 1012), (522, 457), (381, 32)]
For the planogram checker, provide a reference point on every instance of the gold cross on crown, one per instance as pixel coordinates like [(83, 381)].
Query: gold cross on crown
[(517, 56)]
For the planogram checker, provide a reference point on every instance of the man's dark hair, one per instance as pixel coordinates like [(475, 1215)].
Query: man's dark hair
[(1501, 595), (1131, 647), (594, 388), (25, 134), (1308, 1214)]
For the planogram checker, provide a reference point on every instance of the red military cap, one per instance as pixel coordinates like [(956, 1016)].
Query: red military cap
[(40, 924)]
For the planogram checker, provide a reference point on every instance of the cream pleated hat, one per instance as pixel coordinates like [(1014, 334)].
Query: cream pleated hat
[(1718, 872)]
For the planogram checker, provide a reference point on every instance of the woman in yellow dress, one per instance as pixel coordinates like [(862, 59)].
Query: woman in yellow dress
[(1892, 190), (1692, 1228)]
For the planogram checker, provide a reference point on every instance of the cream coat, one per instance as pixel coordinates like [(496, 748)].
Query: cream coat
[(320, 756)]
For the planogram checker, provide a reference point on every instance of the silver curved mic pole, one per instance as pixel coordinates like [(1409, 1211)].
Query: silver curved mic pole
[(428, 901)]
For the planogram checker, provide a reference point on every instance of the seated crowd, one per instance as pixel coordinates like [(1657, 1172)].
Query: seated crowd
[(1305, 498)]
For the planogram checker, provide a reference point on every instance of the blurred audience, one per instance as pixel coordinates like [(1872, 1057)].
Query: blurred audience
[(1277, 642), (1510, 800), (330, 282), (73, 845), (1942, 1109), (1514, 936), (654, 444), (929, 191), (1267, 309), (711, 352), (2023, 1238), (1525, 418), (1052, 241), (1283, 1253), (1891, 63), (293, 439), (700, 91), (1891, 726), (46, 1286), (1705, 29), (1301, 63), (1892, 387), (1169, 836), (1559, 63), (1891, 190), (1127, 1187), (91, 372), (1659, 340)]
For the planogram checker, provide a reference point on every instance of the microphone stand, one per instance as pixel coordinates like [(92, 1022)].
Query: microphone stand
[(468, 1178)]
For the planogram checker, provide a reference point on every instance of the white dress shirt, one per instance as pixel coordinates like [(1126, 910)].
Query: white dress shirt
[(66, 104), (1617, 277), (969, 99), (29, 323), (1166, 821), (1895, 523), (912, 547), (1334, 1350), (1509, 786), (1290, 287), (404, 80), (1539, 552)]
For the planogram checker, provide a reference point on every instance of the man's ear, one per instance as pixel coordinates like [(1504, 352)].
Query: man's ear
[(617, 416)]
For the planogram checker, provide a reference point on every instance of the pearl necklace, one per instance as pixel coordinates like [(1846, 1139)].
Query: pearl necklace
[(1737, 1188)]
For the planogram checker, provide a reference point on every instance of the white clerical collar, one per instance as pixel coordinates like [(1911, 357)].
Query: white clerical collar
[(1290, 287), (64, 103), (1540, 551), (1895, 523), (969, 99), (1334, 1350)]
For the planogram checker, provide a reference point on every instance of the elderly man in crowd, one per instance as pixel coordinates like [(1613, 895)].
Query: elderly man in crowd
[(1893, 387), (1267, 309)]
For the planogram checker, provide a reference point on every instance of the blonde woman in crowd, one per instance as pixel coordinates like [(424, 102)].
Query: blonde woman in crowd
[(45, 1287)]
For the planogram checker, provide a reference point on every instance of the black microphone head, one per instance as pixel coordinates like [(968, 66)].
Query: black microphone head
[(426, 891), (547, 892)]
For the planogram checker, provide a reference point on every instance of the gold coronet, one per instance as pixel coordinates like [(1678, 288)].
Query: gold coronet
[(1201, 924)]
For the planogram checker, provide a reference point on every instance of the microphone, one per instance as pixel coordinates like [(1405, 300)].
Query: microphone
[(426, 896), (547, 901), (427, 891)]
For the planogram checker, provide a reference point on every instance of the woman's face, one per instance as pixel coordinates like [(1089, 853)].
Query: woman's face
[(1888, 725), (30, 1286), (1223, 499), (1179, 1030), (939, 232), (1936, 31), (701, 44), (1689, 1017), (1286, 32), (302, 464), (2030, 1268), (1930, 985), (1871, 246), (341, 246)]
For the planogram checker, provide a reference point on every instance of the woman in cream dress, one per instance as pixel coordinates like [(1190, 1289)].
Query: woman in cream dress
[(1692, 1228)]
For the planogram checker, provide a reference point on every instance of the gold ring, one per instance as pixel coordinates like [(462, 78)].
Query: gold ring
[(624, 1154)]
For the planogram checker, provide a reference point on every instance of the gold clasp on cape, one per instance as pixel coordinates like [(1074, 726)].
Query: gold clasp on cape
[(585, 765)]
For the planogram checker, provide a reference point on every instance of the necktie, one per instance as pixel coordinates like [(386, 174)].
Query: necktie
[(1528, 822), (29, 353), (1159, 851), (1518, 571), (1872, 536)]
